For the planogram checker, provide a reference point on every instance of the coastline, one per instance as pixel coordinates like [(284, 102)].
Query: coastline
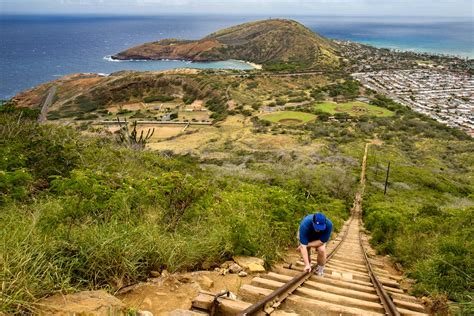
[(418, 50), (254, 65)]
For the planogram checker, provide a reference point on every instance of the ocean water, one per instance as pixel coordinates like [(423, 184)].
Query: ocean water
[(450, 36), (36, 49)]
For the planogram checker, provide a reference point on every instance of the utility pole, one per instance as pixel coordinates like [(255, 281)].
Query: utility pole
[(386, 179), (376, 165)]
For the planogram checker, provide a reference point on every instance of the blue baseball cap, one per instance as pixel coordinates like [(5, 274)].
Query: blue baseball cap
[(319, 221)]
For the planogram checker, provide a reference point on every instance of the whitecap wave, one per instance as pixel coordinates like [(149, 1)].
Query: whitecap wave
[(110, 58)]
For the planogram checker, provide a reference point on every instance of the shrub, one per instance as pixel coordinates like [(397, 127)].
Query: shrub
[(14, 185), (441, 258), (159, 98)]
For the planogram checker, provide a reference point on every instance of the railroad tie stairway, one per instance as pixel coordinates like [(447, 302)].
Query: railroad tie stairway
[(355, 282)]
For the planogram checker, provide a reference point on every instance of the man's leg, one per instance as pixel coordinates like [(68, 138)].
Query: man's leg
[(321, 259), (321, 255)]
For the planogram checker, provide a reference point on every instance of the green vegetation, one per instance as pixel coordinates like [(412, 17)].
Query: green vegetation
[(288, 117), (285, 67), (426, 220), (159, 98), (126, 88), (349, 89), (297, 47), (144, 202), (353, 108), (80, 213)]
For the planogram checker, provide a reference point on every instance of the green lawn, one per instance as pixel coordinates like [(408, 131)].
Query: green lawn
[(289, 117), (353, 108)]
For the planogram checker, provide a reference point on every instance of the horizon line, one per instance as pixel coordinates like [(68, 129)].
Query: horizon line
[(276, 16)]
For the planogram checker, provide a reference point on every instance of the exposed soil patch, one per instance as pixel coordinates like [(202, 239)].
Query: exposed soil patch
[(129, 107), (196, 105), (290, 121), (176, 291), (358, 110)]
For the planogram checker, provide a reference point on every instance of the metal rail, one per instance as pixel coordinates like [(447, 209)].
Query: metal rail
[(274, 299), (387, 303)]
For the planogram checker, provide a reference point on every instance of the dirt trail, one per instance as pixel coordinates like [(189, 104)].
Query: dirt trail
[(49, 99)]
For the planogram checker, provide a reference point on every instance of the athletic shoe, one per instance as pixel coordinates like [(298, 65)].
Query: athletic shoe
[(320, 270)]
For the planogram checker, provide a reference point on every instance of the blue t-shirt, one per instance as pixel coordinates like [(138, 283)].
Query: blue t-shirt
[(308, 234)]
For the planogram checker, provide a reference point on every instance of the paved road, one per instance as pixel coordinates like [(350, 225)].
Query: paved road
[(49, 99)]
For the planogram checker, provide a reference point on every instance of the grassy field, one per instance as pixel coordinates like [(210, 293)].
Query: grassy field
[(289, 117), (354, 108)]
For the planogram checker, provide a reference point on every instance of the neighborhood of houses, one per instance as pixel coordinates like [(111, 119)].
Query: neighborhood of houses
[(445, 96)]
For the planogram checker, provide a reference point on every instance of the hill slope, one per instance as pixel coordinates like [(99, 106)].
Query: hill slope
[(263, 42)]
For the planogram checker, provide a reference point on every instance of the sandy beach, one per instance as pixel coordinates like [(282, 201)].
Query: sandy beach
[(254, 65)]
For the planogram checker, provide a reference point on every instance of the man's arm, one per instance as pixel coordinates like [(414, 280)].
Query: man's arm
[(315, 244), (305, 255)]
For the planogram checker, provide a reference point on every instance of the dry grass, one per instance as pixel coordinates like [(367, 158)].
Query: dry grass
[(230, 138), (130, 107), (161, 132)]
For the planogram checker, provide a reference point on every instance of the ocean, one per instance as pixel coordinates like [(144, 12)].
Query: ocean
[(36, 49)]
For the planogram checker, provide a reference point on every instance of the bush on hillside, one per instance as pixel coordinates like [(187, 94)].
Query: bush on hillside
[(80, 213)]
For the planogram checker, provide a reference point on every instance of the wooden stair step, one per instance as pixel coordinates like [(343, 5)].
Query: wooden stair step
[(339, 299), (324, 280)]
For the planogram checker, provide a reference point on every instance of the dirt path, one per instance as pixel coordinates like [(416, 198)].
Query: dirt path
[(49, 99)]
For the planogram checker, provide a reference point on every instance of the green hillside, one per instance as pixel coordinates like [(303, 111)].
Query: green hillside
[(269, 42), (81, 210)]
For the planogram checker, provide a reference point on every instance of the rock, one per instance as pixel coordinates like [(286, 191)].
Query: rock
[(153, 280), (184, 278), (246, 261), (227, 264), (146, 303), (222, 271), (155, 274), (205, 282), (94, 303), (235, 268), (243, 274), (255, 267), (207, 265), (144, 313), (165, 273)]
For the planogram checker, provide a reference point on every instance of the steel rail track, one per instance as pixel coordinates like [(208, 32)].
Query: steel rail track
[(387, 303), (272, 301)]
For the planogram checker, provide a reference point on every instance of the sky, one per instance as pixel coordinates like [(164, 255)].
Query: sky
[(429, 8)]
